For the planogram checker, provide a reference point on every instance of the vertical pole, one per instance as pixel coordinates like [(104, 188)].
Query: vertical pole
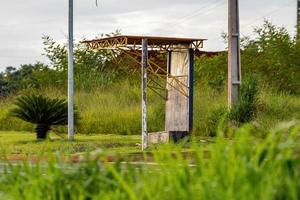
[(70, 75), (191, 88), (144, 93), (298, 20), (234, 60)]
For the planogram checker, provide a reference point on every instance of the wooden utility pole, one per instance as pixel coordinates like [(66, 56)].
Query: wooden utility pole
[(234, 55), (298, 20), (144, 93), (70, 75)]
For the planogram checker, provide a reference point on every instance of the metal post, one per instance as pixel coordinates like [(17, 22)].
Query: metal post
[(298, 20), (144, 93), (234, 60), (70, 75), (191, 88)]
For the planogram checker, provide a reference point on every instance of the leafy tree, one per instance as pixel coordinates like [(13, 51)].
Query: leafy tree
[(275, 56), (27, 76), (3, 86), (42, 111), (213, 70), (91, 68)]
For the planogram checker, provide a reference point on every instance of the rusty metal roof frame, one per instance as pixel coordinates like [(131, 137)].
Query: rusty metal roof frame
[(127, 42), (132, 47)]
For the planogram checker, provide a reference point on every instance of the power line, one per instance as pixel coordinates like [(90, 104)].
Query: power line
[(203, 11), (200, 12), (268, 14), (262, 17), (197, 12)]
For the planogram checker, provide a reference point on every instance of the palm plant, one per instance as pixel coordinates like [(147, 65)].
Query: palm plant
[(42, 111)]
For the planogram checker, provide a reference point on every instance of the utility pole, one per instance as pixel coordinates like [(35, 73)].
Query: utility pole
[(234, 55), (70, 75), (298, 19)]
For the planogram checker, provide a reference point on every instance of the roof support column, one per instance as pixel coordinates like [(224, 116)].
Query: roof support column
[(144, 92)]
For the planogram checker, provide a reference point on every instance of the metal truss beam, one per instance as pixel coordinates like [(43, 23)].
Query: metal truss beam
[(158, 74), (122, 43)]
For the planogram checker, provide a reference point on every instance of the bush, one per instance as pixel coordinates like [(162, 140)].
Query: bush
[(246, 108), (244, 111), (42, 111), (217, 118)]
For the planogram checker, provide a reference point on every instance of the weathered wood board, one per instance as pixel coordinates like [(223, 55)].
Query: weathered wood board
[(177, 105)]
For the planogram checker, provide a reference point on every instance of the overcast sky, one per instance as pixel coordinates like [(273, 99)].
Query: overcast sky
[(23, 23)]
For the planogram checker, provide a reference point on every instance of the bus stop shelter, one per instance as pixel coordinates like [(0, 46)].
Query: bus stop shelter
[(174, 82)]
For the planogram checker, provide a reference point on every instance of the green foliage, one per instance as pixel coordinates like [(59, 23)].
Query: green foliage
[(274, 56), (242, 112), (246, 108), (27, 76), (213, 70), (240, 168), (4, 90), (91, 68), (216, 118), (42, 111)]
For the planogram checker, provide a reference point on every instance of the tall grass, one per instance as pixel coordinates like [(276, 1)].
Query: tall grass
[(116, 109), (240, 167), (276, 107)]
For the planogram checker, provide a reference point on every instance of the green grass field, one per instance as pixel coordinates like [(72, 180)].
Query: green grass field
[(25, 143)]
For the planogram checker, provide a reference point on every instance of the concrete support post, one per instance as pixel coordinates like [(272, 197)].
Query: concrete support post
[(234, 60), (144, 93)]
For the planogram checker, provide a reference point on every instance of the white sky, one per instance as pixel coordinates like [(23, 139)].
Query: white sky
[(23, 23)]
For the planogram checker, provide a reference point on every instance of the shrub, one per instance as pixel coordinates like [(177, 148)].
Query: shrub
[(42, 111), (245, 109), (217, 117)]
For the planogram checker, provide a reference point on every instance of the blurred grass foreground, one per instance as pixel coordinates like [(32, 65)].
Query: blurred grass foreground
[(238, 166)]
